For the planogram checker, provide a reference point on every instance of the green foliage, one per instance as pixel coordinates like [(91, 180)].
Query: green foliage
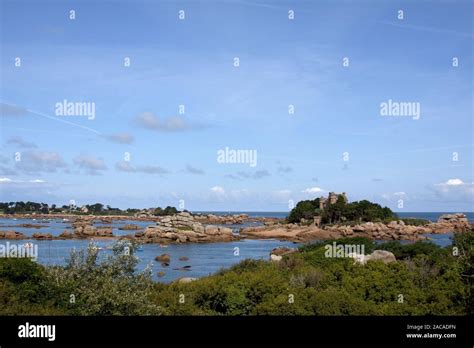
[(25, 289), (341, 211), (362, 211), (23, 207), (430, 279), (110, 286), (96, 209), (167, 211), (304, 210), (410, 250)]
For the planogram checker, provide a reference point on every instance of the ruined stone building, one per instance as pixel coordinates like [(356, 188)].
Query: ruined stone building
[(324, 202), (332, 199)]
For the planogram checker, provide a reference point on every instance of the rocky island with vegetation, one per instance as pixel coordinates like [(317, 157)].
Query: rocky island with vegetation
[(319, 219)]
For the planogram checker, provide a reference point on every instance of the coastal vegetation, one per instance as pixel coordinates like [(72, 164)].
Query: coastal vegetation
[(87, 209), (425, 280), (341, 211)]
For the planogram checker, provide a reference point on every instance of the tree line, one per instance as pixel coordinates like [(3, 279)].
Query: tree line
[(96, 208)]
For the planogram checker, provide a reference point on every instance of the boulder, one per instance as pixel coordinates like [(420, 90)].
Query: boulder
[(163, 258), (104, 232), (275, 258), (129, 227), (281, 251), (186, 280), (42, 236), (66, 235), (212, 230), (11, 235), (383, 255), (198, 228), (392, 224), (453, 218), (225, 230)]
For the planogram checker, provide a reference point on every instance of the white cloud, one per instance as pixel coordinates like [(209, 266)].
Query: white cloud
[(125, 166), (193, 170), (91, 164), (32, 181), (218, 190), (19, 141), (150, 121), (40, 161), (11, 110), (313, 190), (120, 138), (452, 182), (259, 174), (454, 189)]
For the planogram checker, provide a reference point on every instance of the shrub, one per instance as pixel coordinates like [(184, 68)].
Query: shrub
[(111, 286), (403, 251)]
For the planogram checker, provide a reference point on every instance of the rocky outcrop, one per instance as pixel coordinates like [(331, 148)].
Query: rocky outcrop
[(42, 236), (66, 235), (451, 223), (163, 258), (183, 228), (291, 232), (129, 227), (83, 228), (222, 219), (395, 230), (11, 235), (32, 225), (453, 218)]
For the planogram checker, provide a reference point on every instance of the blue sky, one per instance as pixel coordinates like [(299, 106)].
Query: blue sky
[(283, 62)]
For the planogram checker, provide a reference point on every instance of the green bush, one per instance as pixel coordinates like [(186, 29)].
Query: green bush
[(304, 210), (410, 250), (90, 286)]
